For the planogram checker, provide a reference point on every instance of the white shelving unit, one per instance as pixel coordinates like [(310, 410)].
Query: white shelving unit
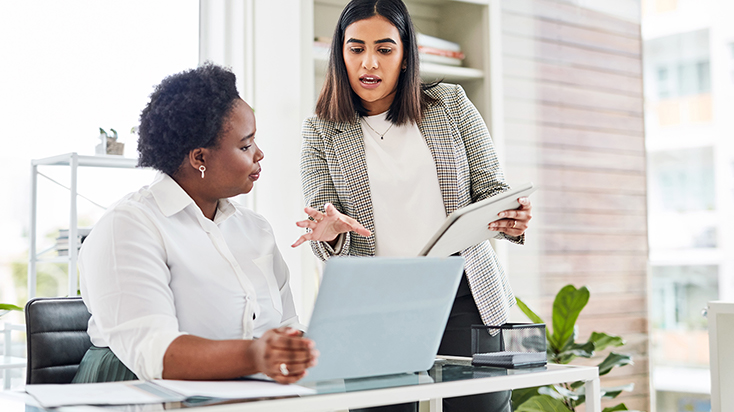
[(8, 362), (73, 161)]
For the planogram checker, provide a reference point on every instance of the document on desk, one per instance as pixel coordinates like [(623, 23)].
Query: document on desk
[(158, 391)]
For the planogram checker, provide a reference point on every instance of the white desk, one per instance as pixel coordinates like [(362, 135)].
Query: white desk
[(455, 378)]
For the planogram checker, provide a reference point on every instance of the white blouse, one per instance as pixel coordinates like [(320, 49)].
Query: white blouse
[(406, 198), (154, 268)]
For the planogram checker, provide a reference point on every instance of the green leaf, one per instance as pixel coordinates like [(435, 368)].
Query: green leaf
[(8, 306), (602, 340), (578, 384), (528, 312), (566, 309), (520, 396), (620, 407), (558, 392), (542, 403), (571, 339), (612, 360), (532, 316), (612, 393), (585, 350)]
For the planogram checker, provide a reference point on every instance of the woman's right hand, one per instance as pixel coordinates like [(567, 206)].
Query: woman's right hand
[(325, 227), (284, 354)]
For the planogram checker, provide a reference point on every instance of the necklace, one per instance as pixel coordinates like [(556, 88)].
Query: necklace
[(382, 135)]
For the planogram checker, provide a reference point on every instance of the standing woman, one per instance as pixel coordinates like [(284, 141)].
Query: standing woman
[(398, 156)]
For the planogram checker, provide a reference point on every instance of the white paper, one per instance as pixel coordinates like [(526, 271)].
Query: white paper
[(108, 393), (158, 391), (243, 389)]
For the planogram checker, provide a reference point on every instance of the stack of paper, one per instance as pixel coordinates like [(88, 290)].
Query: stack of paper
[(508, 359), (159, 391)]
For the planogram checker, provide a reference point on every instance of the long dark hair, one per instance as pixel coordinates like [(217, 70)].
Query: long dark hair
[(337, 101)]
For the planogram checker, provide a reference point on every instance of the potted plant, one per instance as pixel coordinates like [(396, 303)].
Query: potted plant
[(562, 348), (7, 307)]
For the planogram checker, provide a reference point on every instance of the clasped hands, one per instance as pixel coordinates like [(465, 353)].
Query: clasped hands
[(284, 354), (327, 225)]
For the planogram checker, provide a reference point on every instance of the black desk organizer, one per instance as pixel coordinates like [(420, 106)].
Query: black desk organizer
[(522, 345)]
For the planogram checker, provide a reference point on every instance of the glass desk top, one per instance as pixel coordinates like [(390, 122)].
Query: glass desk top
[(443, 371)]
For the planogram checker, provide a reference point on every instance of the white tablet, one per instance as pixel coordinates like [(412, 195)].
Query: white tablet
[(468, 226)]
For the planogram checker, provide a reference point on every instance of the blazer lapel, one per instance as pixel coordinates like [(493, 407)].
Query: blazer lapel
[(350, 154), (440, 134)]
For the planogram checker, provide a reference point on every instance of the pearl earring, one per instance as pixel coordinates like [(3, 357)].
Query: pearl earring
[(202, 169)]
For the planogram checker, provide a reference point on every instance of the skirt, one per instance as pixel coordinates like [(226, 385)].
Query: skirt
[(101, 365)]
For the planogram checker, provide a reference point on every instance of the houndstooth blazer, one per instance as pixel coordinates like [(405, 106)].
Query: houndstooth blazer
[(334, 169)]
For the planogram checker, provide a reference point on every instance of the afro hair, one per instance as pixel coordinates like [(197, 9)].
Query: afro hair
[(186, 111)]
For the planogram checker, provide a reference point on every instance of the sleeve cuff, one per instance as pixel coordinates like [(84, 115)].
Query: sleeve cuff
[(337, 249)]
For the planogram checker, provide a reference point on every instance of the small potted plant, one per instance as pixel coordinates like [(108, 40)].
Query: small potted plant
[(108, 144), (7, 308)]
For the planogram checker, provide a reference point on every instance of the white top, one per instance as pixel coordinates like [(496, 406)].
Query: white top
[(154, 268), (406, 198)]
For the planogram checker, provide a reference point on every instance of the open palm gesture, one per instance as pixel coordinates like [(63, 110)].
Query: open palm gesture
[(326, 226)]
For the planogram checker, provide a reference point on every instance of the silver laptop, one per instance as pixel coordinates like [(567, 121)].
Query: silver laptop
[(380, 316)]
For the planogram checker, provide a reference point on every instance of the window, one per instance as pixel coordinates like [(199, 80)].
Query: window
[(681, 63), (680, 293), (682, 180)]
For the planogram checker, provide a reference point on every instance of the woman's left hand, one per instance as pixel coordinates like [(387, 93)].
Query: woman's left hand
[(514, 222)]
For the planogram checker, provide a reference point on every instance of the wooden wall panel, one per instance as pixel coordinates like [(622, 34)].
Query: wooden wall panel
[(625, 282), (578, 158), (592, 38), (515, 67), (573, 124), (571, 96), (582, 118), (572, 263), (546, 50), (603, 222), (567, 13), (561, 178), (563, 135)]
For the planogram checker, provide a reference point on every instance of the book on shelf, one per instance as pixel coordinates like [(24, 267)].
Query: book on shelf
[(430, 50), (62, 242), (446, 61), (441, 52), (436, 43), (80, 231)]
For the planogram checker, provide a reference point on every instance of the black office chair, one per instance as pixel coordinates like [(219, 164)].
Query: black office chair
[(57, 338)]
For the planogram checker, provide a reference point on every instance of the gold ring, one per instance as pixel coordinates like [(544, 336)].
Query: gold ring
[(514, 222), (284, 369)]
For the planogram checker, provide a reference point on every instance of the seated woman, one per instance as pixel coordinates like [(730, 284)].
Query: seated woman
[(182, 283)]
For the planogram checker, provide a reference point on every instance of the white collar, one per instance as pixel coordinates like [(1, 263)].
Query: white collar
[(171, 199)]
